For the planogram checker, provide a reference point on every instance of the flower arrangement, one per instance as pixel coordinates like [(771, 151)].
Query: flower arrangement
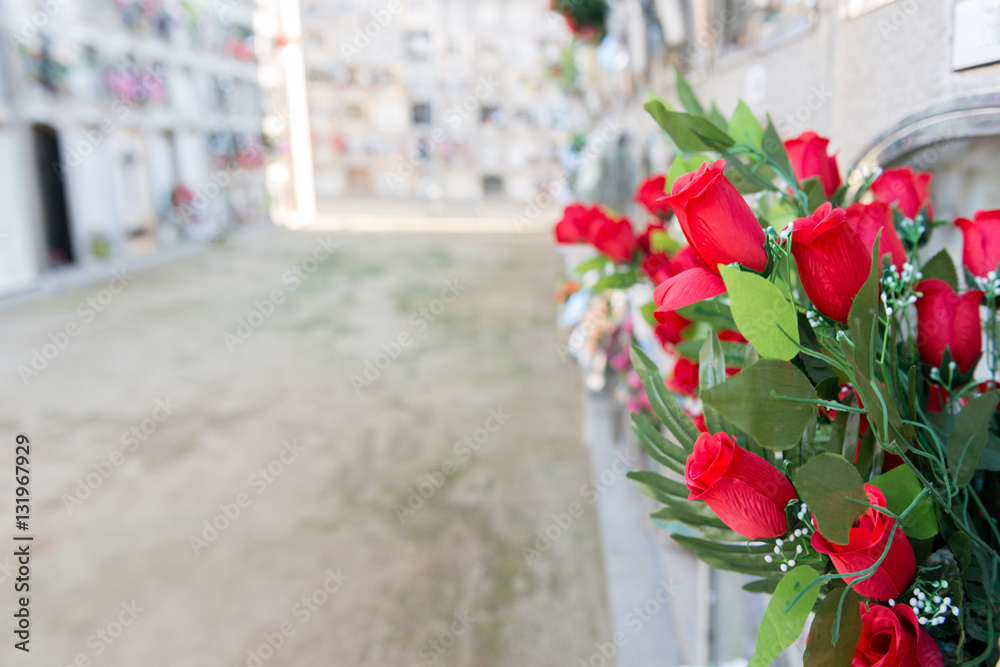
[(848, 445), (585, 18)]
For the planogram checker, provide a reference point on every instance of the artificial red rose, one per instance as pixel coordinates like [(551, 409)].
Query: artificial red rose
[(892, 637), (574, 227), (684, 378), (657, 267), (668, 332), (945, 319), (807, 153), (651, 193), (614, 238), (867, 219), (981, 242), (746, 492), (644, 239), (907, 189), (732, 336), (719, 227), (832, 260), (685, 259), (868, 537), (698, 420)]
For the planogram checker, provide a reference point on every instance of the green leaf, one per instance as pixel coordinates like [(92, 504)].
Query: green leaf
[(598, 263), (658, 487), (863, 315), (991, 455), (662, 242), (747, 178), (967, 442), (815, 194), (687, 97), (960, 546), (820, 649), (746, 400), (616, 281), (761, 313), (691, 514), (684, 165), (744, 126), (711, 363), (900, 486), (663, 451), (826, 483), (942, 267), (716, 118), (690, 133), (774, 148), (663, 402), (647, 313), (734, 352), (781, 626), (761, 586), (716, 315)]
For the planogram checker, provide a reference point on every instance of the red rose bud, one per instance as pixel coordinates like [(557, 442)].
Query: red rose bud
[(867, 220), (746, 492), (684, 378), (907, 189), (614, 238), (651, 194), (668, 332), (807, 153), (892, 637), (831, 259), (981, 247), (575, 224), (945, 319), (868, 538), (657, 266), (716, 220), (720, 229)]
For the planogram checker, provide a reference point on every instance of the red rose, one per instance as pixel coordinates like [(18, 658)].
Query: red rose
[(868, 537), (981, 246), (650, 194), (575, 224), (684, 378), (657, 266), (746, 492), (807, 153), (698, 420), (867, 219), (669, 330), (614, 238), (907, 189), (892, 637), (831, 259), (644, 240), (945, 319), (719, 227)]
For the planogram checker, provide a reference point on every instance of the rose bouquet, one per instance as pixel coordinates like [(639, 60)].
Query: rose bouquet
[(848, 445)]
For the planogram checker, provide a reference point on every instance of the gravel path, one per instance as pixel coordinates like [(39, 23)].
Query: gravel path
[(349, 476)]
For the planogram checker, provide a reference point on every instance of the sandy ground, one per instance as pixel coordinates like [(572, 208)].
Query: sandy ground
[(157, 420)]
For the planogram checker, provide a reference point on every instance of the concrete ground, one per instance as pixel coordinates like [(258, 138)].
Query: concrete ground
[(266, 455)]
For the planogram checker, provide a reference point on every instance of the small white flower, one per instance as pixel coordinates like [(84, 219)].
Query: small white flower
[(777, 550), (947, 602), (954, 611), (784, 568), (791, 563), (768, 559), (923, 621), (937, 599), (888, 311), (798, 548), (892, 603), (913, 602), (779, 541)]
